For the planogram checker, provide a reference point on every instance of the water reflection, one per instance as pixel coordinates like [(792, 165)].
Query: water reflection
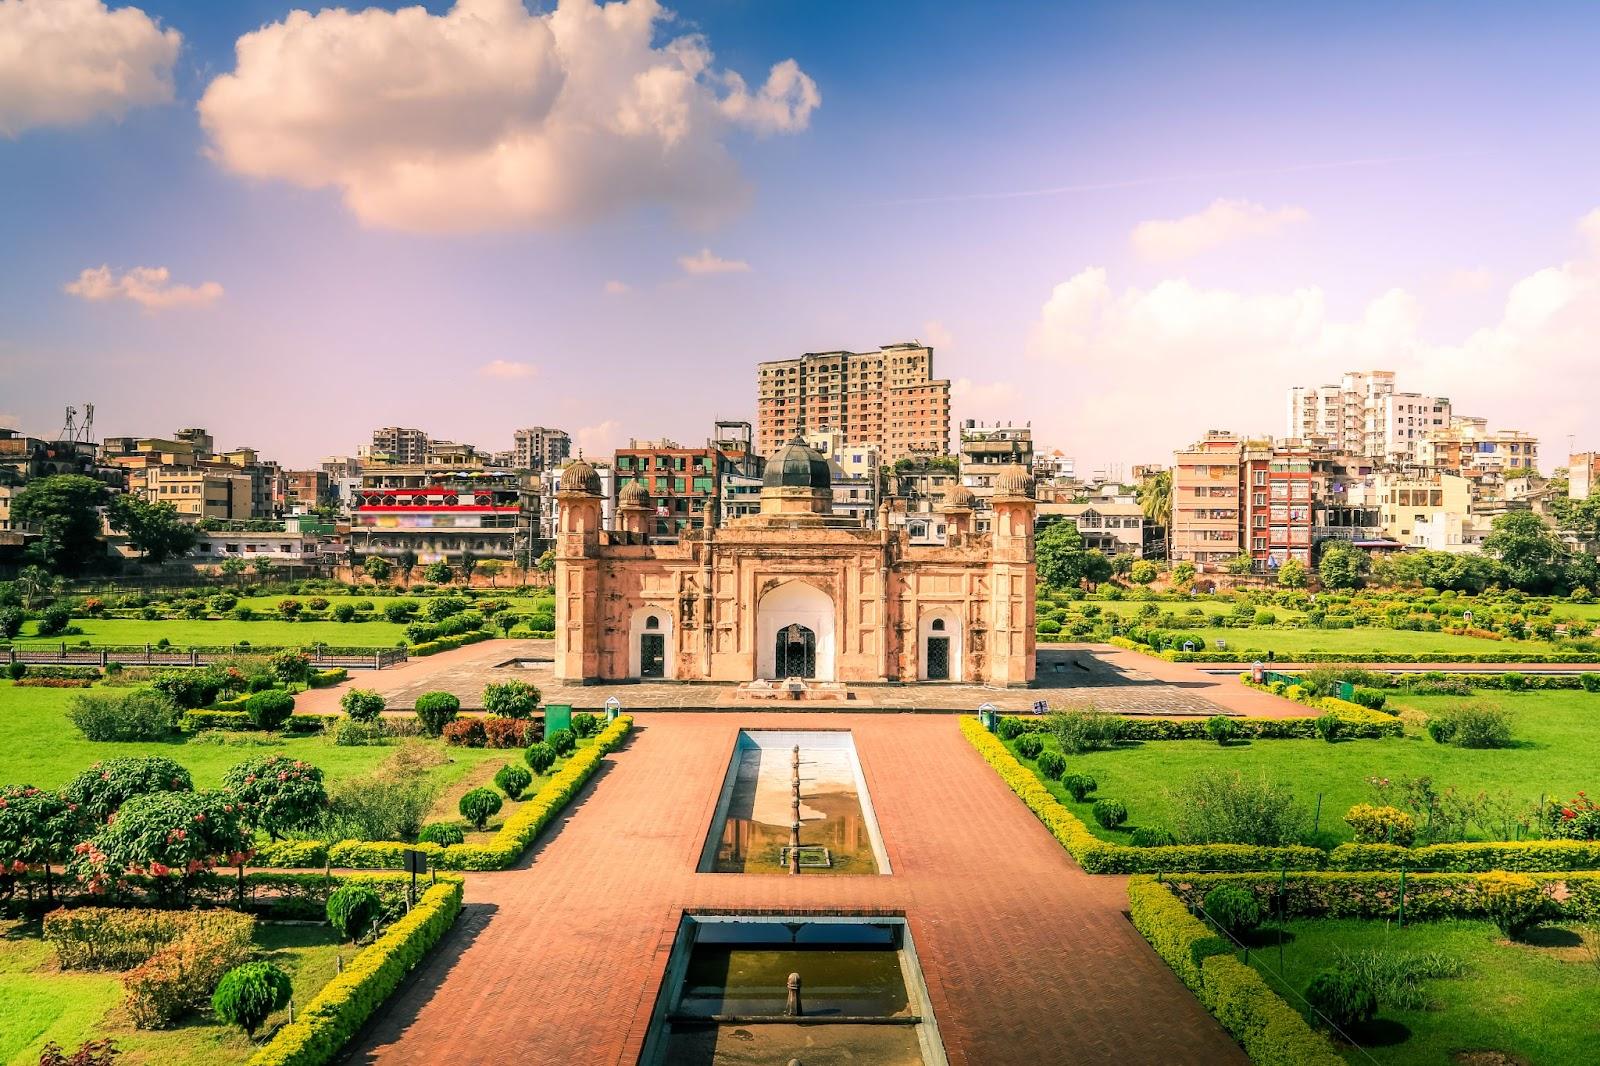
[(756, 828)]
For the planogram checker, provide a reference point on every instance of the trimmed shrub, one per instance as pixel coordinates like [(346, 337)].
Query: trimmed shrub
[(510, 699), (1235, 910), (248, 994), (464, 733), (1341, 998), (1110, 813), (435, 710), (1079, 785), (479, 805), (1442, 729), (1029, 745), (1514, 902), (512, 780), (587, 725), (343, 612), (1221, 729), (136, 714), (269, 709), (362, 704), (441, 833), (1370, 698), (1381, 825), (1051, 764), (504, 732), (1329, 726), (563, 742), (352, 909), (1152, 836), (539, 757), (1011, 728)]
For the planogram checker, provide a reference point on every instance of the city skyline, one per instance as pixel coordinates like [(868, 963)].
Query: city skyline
[(1086, 246)]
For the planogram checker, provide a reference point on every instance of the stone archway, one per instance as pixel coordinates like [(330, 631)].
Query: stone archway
[(795, 603), (650, 634), (941, 646)]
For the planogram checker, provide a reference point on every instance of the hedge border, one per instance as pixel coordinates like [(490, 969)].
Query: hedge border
[(439, 644), (1244, 655), (519, 831), (1271, 1032), (344, 1004)]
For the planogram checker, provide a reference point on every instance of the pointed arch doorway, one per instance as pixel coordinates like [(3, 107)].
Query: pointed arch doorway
[(795, 633)]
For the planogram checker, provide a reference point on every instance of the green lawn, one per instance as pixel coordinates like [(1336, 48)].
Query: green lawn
[(522, 604), (1531, 1001), (1367, 641), (39, 746), (184, 632), (39, 1002), (1557, 753)]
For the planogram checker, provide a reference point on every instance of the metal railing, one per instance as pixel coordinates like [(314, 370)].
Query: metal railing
[(321, 657)]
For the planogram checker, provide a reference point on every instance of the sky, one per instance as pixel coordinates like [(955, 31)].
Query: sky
[(1122, 223)]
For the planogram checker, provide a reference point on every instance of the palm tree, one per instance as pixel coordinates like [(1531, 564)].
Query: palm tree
[(1155, 500), (31, 582)]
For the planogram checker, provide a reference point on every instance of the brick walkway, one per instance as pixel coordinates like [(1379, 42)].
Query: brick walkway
[(1027, 959)]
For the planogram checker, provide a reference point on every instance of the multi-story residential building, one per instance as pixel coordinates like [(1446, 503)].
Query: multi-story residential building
[(918, 488), (1054, 466), (293, 544), (888, 398), (1205, 501), (985, 452), (1277, 495), (1583, 475), (441, 512), (855, 469), (196, 492), (266, 480), (680, 482), (1407, 419), (305, 490), (399, 445), (1416, 509), (1466, 446), (538, 448), (1112, 528), (199, 441), (1365, 415)]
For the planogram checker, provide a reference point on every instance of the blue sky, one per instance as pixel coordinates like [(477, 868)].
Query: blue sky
[(1401, 187)]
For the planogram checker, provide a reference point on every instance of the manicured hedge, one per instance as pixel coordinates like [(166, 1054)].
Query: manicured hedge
[(337, 1012), (1240, 655), (514, 836), (293, 854), (1146, 729), (211, 718), (1524, 856), (1102, 857), (1271, 1032), (439, 644), (329, 678)]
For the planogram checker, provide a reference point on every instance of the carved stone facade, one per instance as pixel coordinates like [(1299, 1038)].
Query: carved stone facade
[(794, 591)]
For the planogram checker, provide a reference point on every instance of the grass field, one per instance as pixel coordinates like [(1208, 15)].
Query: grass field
[(1367, 641), (184, 632), (39, 1002), (1532, 1002), (521, 604), (1557, 753), (39, 746)]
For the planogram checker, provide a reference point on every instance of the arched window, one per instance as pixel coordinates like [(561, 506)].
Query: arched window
[(652, 622), (938, 625)]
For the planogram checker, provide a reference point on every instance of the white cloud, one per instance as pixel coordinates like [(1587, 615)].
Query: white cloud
[(704, 262), (1469, 280), (64, 62), (507, 371), (616, 288), (935, 336), (1224, 222), (488, 117), (989, 401), (1152, 369), (150, 287), (599, 441)]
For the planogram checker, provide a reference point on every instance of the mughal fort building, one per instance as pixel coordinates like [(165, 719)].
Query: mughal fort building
[(795, 591)]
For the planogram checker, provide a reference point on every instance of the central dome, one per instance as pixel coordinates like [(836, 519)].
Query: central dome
[(797, 466)]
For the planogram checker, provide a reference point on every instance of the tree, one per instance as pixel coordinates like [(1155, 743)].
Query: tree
[(547, 561), (166, 834), (408, 563), (1143, 572), (233, 567), (1528, 548), (262, 565), (1292, 574), (35, 827), (1063, 561), (64, 510), (1121, 564), (1580, 518), (1155, 499), (155, 529), (278, 793), (100, 791), (1183, 573), (377, 568), (490, 568), (469, 563), (438, 573), (1343, 565), (33, 582), (1240, 565)]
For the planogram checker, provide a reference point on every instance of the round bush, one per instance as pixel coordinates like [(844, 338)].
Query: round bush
[(1029, 745), (105, 786), (1221, 728), (1110, 813), (362, 704), (1235, 910), (442, 833), (435, 710), (510, 699), (513, 780), (1051, 764), (248, 994), (1152, 836), (586, 725), (269, 709), (1381, 825), (1341, 998), (343, 612), (539, 757), (479, 805), (1079, 785), (353, 908), (1328, 726), (563, 741)]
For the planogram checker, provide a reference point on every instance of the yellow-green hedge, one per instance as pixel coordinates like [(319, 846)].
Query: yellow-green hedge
[(519, 830), (1271, 1032), (1103, 857), (336, 1013), (439, 644)]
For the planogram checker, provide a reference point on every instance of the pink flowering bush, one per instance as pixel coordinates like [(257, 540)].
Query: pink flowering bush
[(36, 827), (278, 793), (1576, 819), (97, 792), (165, 834)]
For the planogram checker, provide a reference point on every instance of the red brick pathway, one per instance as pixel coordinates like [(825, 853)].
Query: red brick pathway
[(1027, 959)]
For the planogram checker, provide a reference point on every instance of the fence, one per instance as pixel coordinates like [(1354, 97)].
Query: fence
[(153, 655)]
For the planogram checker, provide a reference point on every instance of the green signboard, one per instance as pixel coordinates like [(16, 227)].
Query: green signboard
[(557, 716)]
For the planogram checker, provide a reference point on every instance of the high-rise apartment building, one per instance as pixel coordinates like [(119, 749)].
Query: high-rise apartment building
[(538, 448), (1365, 415), (887, 398), (1468, 447), (401, 446)]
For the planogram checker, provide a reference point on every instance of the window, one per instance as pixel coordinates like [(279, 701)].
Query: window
[(652, 622), (938, 625)]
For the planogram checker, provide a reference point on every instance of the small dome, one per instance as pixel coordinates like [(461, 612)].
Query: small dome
[(797, 466), (580, 477), (1014, 481), (958, 499), (634, 494)]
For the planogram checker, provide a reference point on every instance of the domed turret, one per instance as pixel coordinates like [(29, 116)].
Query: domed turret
[(959, 498), (797, 466), (1014, 481), (580, 477), (634, 494)]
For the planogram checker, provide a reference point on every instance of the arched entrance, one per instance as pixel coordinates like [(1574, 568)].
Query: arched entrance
[(940, 646), (650, 644), (798, 618)]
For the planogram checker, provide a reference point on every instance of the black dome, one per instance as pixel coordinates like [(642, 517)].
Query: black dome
[(795, 466)]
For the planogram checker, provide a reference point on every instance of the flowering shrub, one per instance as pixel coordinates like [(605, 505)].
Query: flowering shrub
[(165, 834), (1381, 825), (1576, 819), (278, 793), (182, 975), (97, 793), (35, 827), (464, 733)]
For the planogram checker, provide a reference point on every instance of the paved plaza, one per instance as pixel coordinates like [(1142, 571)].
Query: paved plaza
[(1027, 959)]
